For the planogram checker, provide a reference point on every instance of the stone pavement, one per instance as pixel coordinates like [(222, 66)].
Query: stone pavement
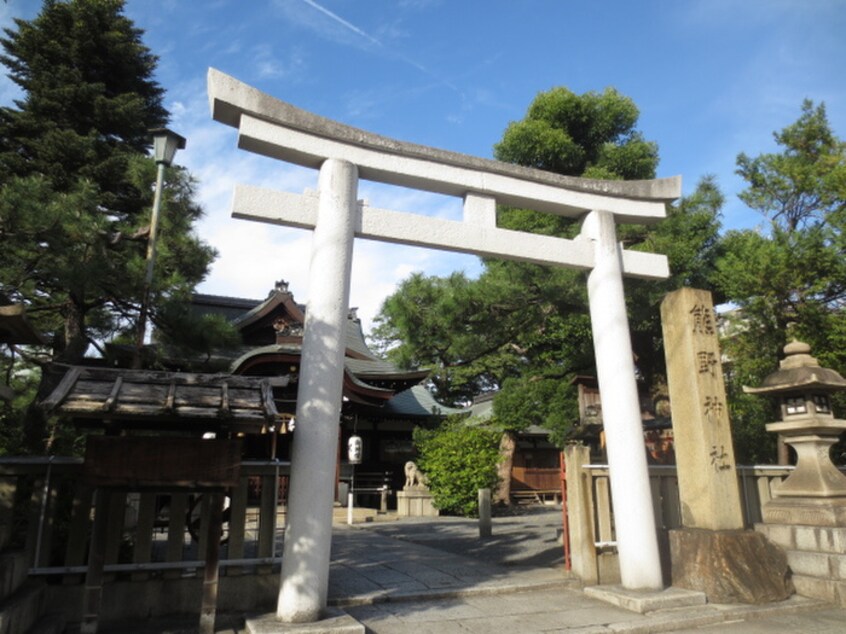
[(435, 575)]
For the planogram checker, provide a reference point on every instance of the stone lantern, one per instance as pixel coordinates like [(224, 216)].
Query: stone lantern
[(815, 493)]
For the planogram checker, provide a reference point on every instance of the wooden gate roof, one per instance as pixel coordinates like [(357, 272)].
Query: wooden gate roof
[(170, 400)]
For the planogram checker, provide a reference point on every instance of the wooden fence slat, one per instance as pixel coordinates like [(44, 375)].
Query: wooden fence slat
[(202, 510), (670, 503), (114, 532), (32, 534), (176, 531), (237, 525), (49, 523), (8, 491), (78, 534), (143, 551), (655, 490), (267, 520), (603, 510)]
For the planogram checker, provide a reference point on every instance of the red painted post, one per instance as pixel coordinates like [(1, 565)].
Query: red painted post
[(565, 526)]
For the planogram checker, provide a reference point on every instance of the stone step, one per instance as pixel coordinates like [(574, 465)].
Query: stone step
[(829, 590), (22, 610), (814, 564), (13, 572), (820, 539)]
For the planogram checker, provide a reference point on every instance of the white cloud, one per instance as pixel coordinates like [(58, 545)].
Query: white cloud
[(269, 65)]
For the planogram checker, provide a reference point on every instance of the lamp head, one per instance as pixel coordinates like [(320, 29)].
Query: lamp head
[(165, 144)]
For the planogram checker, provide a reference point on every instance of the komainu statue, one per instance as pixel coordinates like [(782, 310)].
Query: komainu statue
[(414, 478)]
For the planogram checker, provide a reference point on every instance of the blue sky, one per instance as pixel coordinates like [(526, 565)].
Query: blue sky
[(712, 78)]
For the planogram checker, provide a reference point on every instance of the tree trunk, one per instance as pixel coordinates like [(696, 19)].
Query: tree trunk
[(507, 446), (69, 349), (75, 341)]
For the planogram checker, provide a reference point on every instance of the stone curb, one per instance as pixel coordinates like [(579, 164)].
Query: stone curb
[(451, 593), (677, 619)]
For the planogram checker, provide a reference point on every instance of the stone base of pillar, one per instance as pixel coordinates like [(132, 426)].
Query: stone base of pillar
[(643, 601), (415, 503), (729, 566), (334, 621), (806, 511)]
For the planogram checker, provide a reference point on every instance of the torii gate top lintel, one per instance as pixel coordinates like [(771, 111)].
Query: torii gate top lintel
[(273, 128)]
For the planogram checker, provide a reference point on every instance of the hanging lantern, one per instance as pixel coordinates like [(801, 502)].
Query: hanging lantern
[(355, 449)]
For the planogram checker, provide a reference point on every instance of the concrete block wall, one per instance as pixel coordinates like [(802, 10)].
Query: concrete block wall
[(817, 558)]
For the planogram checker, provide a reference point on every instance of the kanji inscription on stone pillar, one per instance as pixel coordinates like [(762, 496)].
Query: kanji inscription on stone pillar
[(706, 469)]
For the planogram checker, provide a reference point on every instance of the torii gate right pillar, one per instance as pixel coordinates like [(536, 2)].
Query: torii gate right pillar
[(637, 546)]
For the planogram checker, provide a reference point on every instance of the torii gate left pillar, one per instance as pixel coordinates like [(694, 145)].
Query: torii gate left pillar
[(308, 534), (276, 129)]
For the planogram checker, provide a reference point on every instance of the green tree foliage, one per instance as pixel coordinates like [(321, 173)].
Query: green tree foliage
[(591, 135), (77, 184), (523, 329), (788, 279), (459, 458), (90, 99)]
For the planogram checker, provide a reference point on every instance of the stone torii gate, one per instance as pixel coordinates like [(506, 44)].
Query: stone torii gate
[(344, 154)]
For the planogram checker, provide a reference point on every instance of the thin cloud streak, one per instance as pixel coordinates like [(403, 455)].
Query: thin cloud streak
[(343, 22), (338, 19)]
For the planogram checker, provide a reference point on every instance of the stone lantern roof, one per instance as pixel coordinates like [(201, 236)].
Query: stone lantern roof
[(799, 371)]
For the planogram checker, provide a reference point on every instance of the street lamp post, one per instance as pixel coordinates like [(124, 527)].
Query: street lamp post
[(165, 144)]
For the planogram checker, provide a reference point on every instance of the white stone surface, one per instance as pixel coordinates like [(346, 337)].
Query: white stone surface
[(308, 536), (476, 234), (277, 129), (637, 543)]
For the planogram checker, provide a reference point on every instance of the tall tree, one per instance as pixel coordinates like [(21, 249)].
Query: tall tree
[(523, 329), (77, 182), (788, 279)]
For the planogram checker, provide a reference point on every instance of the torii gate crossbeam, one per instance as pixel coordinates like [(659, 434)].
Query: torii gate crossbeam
[(343, 154)]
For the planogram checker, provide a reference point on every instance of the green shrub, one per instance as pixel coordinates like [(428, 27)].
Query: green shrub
[(458, 459)]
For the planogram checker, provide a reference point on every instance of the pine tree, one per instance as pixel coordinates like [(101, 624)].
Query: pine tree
[(77, 181)]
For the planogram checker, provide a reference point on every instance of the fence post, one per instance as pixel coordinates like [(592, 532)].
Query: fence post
[(484, 513), (580, 515)]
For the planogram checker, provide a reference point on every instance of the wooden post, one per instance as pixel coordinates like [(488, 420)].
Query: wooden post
[(267, 522), (237, 525), (484, 513), (78, 534), (93, 593), (144, 534), (580, 515), (176, 532), (208, 610)]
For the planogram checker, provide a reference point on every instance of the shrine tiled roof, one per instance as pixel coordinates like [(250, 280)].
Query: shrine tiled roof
[(415, 402)]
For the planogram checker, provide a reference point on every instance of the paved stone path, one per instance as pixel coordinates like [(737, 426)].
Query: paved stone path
[(436, 576)]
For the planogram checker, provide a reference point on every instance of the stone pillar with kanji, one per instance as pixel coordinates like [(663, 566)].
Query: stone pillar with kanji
[(701, 429), (712, 553)]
